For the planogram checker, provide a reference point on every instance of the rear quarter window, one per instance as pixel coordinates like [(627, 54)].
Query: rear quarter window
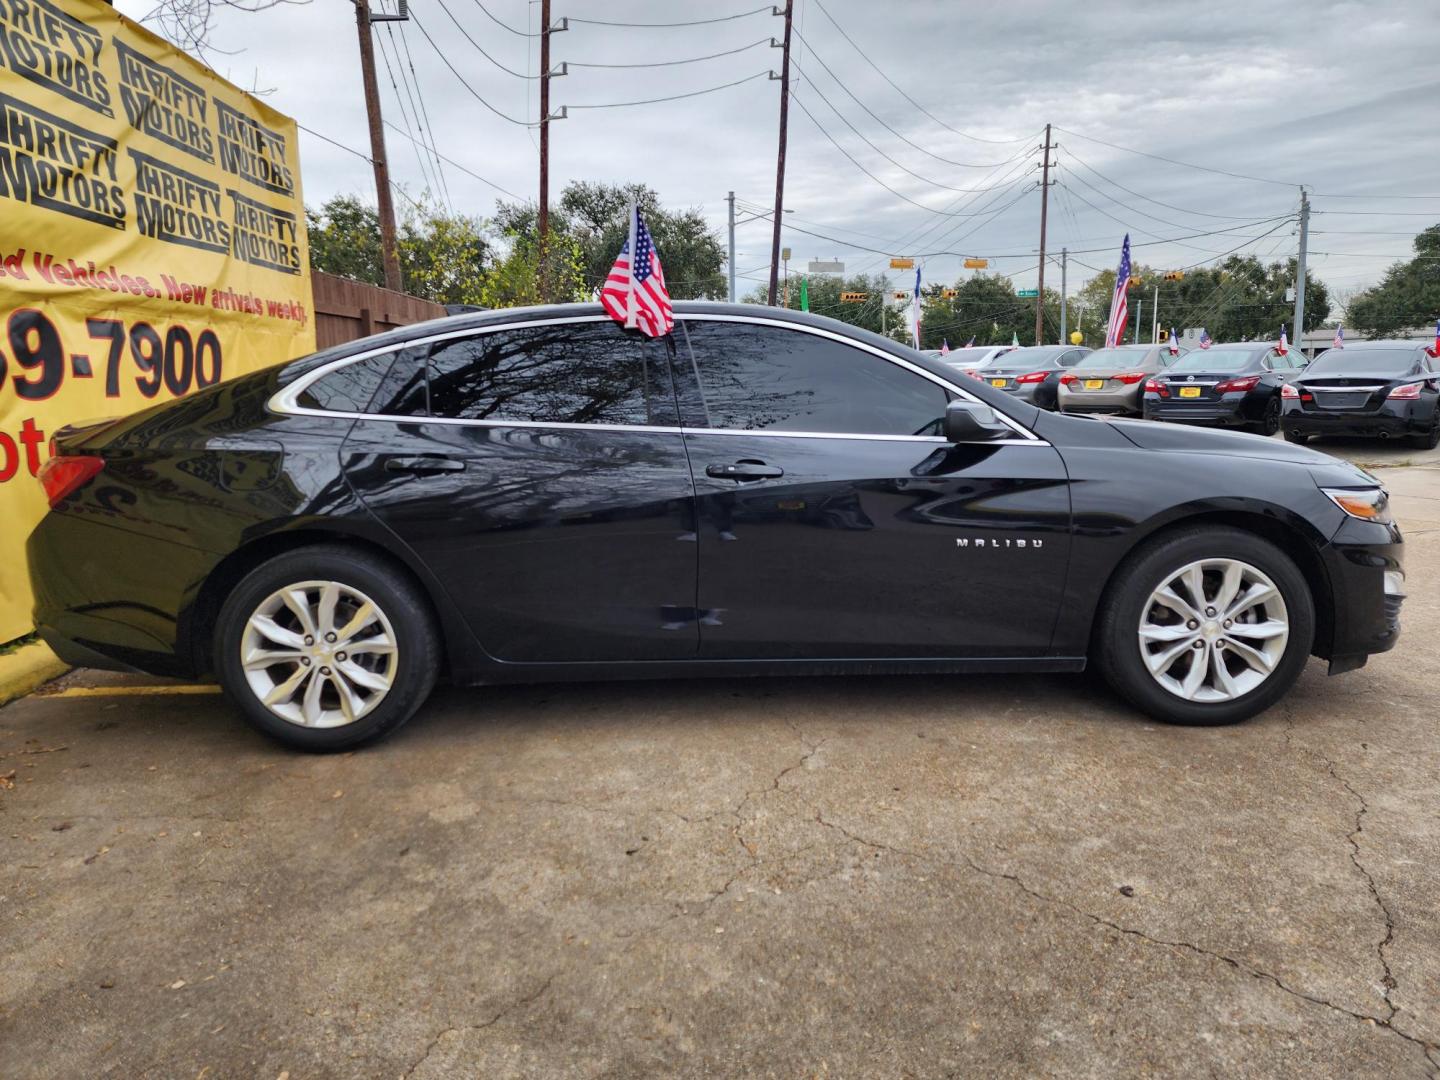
[(350, 388)]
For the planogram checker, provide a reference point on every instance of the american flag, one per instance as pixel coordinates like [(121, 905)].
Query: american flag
[(1434, 350), (971, 343), (915, 303), (1120, 301), (635, 293), (945, 347), (1339, 342), (1174, 343), (1205, 340)]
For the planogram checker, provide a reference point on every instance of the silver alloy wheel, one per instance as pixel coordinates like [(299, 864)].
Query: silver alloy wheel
[(319, 654), (1214, 630)]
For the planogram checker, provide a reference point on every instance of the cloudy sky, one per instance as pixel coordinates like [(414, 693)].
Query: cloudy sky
[(944, 109)]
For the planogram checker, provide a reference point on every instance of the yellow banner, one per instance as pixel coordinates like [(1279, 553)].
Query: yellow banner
[(152, 240)]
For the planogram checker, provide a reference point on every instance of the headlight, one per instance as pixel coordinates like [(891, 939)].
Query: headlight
[(1367, 504)]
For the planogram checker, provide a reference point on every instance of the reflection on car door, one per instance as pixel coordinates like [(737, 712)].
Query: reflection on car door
[(539, 472), (835, 522)]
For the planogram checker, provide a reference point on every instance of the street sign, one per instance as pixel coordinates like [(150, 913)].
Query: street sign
[(976, 264), (1027, 294), (902, 264), (854, 297), (822, 266), (784, 254)]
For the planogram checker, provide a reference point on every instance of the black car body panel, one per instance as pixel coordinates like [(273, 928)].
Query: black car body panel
[(1353, 391), (671, 545)]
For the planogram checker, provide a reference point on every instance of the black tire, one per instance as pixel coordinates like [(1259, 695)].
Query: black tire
[(1431, 439), (1269, 423), (1296, 438), (1116, 645), (417, 641)]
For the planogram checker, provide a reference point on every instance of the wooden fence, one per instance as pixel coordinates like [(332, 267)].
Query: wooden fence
[(346, 309)]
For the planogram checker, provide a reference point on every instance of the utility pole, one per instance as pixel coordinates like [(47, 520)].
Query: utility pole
[(731, 200), (383, 201), (780, 156), (1155, 318), (1139, 314), (1064, 339), (1044, 207), (542, 220), (1299, 329)]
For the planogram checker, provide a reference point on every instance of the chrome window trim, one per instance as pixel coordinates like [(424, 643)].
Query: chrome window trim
[(283, 401), (1344, 389)]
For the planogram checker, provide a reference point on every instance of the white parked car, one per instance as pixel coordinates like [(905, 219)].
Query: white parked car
[(965, 359)]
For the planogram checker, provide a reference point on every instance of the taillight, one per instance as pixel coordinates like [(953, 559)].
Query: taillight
[(61, 476), (1130, 378), (1289, 393), (1069, 380), (1408, 392), (1034, 377), (1248, 382), (1155, 386)]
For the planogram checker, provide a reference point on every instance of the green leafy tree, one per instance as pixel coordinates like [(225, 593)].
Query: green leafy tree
[(1408, 296)]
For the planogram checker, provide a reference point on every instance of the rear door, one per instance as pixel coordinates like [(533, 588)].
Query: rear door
[(834, 521), (539, 471)]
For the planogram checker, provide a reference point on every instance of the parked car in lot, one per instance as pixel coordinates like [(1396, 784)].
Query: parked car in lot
[(1224, 386), (537, 495), (1370, 389), (1031, 374), (1109, 380), (972, 357)]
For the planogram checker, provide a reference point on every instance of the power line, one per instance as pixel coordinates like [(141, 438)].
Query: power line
[(404, 114), (1183, 164), (1155, 237), (674, 63), (672, 97), (840, 83), (1169, 206), (453, 71), (449, 161), (425, 114), (663, 25), (902, 93), (360, 154), (882, 153), (478, 48), (502, 25)]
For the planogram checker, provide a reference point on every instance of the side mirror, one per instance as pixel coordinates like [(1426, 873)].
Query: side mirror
[(968, 422)]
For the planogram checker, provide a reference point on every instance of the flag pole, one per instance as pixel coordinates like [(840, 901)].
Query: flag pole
[(631, 320)]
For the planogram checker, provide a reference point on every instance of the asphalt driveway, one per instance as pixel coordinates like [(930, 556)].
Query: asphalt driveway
[(877, 877)]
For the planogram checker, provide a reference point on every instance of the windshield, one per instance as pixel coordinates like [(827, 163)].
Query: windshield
[(1032, 357), (1365, 362), (1113, 360), (1214, 360)]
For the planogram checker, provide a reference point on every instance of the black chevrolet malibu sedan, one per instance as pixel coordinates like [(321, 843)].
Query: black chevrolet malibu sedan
[(1376, 389), (538, 494), (1224, 386)]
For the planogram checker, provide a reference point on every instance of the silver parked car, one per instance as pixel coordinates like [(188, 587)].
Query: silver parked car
[(1111, 380), (1031, 374)]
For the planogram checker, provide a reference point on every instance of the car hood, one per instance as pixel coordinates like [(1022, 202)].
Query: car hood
[(1148, 435)]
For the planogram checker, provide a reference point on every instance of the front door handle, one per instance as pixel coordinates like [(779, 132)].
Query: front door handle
[(422, 465), (744, 470)]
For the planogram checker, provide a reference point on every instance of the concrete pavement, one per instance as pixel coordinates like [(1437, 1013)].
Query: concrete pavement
[(885, 876)]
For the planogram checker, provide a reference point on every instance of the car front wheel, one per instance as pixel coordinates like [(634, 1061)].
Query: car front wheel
[(326, 647), (1205, 626)]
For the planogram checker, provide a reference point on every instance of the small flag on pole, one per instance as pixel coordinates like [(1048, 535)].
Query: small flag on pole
[(1434, 350), (971, 343), (1120, 300), (1205, 340), (1284, 346), (634, 294), (1174, 343), (1339, 342), (1014, 339), (945, 347), (804, 294)]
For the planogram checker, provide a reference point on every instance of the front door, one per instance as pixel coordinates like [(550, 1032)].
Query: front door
[(834, 521), (539, 472)]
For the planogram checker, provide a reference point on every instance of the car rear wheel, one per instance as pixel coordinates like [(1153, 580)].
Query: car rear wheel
[(1205, 626), (1269, 423), (325, 648), (1430, 439)]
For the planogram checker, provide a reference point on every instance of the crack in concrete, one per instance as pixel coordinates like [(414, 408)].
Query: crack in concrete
[(1431, 1051), (518, 1003)]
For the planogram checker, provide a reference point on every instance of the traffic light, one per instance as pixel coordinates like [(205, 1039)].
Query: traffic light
[(949, 294), (1174, 275), (854, 297)]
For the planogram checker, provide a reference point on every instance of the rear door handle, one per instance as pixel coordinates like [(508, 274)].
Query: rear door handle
[(422, 465), (744, 470)]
